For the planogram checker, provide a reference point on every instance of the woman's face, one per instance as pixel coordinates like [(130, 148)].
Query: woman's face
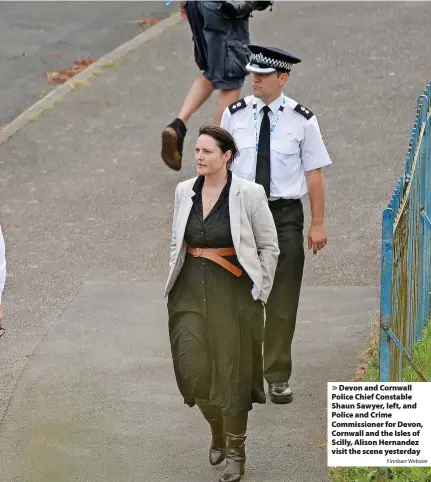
[(208, 156)]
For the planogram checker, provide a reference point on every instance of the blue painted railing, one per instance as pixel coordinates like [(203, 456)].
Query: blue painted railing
[(406, 256), (406, 253)]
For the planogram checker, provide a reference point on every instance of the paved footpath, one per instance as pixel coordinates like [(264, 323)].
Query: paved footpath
[(86, 383)]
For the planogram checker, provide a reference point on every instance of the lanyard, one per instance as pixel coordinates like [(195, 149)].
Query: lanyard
[(277, 118)]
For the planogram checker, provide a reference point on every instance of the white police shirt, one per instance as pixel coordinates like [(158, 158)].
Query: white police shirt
[(296, 144)]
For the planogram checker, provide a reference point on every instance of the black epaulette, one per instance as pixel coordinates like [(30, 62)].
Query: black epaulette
[(236, 106), (304, 111)]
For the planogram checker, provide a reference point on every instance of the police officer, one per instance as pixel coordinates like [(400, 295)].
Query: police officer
[(281, 147)]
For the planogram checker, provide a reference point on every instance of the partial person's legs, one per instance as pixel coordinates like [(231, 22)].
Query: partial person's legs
[(227, 56), (225, 98), (200, 91), (190, 355), (236, 434), (282, 306), (173, 135), (220, 54), (218, 445)]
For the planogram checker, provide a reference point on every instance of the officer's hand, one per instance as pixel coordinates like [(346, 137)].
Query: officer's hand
[(317, 238)]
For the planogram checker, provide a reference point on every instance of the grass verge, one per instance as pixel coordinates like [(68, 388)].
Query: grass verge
[(422, 357), (108, 64), (78, 84)]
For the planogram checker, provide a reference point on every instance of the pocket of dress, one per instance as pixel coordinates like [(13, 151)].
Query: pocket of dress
[(236, 58)]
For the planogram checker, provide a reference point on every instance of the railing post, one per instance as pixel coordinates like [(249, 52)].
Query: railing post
[(382, 474), (386, 292), (426, 208), (428, 204), (419, 206), (385, 306)]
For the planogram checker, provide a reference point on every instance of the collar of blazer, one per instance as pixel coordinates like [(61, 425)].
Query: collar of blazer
[(234, 210)]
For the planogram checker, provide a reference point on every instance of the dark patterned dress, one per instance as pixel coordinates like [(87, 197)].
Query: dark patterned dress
[(215, 325)]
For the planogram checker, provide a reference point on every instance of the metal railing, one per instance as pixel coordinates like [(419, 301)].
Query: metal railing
[(406, 256), (406, 253)]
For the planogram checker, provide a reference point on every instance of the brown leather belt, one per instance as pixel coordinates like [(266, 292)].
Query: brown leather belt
[(216, 255)]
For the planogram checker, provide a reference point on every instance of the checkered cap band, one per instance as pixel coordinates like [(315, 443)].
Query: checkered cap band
[(275, 64)]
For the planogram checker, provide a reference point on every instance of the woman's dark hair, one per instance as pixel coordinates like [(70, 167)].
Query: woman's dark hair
[(223, 139)]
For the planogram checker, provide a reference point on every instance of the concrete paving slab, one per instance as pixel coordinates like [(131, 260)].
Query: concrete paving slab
[(98, 399)]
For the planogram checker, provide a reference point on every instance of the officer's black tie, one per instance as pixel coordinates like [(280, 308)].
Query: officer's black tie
[(263, 165)]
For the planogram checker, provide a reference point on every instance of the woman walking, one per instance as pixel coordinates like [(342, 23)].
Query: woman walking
[(223, 258)]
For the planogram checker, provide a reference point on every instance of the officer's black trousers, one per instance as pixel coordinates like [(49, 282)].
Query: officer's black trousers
[(283, 301)]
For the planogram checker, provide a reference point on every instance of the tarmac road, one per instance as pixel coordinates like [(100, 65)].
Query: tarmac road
[(36, 37)]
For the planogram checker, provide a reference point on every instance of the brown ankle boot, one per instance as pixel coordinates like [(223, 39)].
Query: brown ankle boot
[(213, 416), (236, 429), (172, 144)]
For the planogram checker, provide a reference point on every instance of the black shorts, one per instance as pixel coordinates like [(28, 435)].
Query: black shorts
[(220, 45)]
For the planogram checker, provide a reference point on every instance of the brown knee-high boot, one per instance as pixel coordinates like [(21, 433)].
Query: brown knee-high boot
[(218, 446), (236, 429)]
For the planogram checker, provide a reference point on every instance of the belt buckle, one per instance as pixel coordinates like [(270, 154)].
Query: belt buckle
[(196, 252)]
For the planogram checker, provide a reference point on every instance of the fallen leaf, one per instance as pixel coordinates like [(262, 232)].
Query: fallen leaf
[(61, 76)]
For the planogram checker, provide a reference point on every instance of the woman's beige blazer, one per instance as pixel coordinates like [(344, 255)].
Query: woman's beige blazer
[(253, 232)]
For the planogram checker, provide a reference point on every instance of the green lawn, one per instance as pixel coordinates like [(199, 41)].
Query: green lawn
[(422, 357)]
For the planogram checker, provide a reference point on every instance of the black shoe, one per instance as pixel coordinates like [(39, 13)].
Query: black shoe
[(172, 144), (280, 392)]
